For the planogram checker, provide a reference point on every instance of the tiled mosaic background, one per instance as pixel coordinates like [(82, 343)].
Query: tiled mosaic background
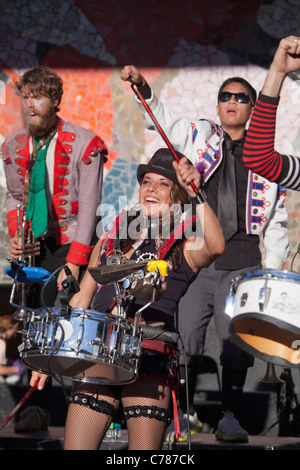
[(184, 48)]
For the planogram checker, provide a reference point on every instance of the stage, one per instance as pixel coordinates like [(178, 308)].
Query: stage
[(53, 439)]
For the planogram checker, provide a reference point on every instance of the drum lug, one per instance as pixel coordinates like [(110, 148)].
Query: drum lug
[(264, 297), (244, 299), (95, 343)]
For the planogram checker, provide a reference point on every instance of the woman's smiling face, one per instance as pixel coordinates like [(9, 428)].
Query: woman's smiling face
[(155, 194)]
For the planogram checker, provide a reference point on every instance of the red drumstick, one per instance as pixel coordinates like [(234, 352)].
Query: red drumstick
[(18, 406), (163, 135)]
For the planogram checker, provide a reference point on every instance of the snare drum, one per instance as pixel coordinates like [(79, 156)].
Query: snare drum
[(83, 345), (265, 310)]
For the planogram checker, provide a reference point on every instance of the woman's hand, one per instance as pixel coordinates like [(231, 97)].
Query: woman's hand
[(186, 174), (35, 376)]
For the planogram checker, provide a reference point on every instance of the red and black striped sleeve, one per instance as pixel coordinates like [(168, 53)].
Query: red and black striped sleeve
[(259, 154)]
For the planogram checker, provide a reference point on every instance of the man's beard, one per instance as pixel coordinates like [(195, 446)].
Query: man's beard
[(47, 123)]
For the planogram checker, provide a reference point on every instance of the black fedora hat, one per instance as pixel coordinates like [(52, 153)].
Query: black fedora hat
[(161, 163)]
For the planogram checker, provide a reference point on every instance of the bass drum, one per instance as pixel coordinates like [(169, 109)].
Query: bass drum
[(83, 345), (265, 309)]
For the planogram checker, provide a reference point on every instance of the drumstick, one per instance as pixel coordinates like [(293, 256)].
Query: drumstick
[(18, 406), (163, 135)]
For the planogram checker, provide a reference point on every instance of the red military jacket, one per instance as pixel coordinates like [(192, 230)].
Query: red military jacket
[(78, 156)]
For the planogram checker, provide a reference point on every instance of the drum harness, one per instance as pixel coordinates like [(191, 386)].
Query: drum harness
[(154, 338)]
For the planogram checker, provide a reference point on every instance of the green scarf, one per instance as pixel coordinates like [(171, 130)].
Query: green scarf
[(37, 208)]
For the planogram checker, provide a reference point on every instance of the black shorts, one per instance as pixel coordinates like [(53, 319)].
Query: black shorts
[(157, 365)]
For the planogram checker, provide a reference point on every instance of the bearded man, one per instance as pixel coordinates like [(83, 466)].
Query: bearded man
[(54, 173)]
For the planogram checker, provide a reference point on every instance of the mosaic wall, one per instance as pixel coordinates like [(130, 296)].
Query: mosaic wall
[(184, 48)]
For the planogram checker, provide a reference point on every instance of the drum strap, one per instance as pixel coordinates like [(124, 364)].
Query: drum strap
[(165, 245), (158, 346), (177, 234), (164, 348)]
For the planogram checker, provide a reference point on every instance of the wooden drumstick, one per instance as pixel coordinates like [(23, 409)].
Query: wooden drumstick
[(18, 406)]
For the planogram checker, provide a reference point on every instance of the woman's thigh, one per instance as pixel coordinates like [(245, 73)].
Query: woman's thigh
[(146, 404)]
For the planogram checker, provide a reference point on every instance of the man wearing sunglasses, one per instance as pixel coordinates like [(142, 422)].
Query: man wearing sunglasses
[(247, 206)]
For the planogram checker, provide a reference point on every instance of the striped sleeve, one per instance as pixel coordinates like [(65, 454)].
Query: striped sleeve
[(259, 153), (292, 180)]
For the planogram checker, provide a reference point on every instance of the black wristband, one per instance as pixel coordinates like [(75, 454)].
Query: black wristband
[(199, 198), (144, 90)]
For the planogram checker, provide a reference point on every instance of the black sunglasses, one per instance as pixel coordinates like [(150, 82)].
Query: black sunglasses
[(240, 97)]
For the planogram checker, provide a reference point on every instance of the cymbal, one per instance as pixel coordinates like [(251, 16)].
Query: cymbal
[(114, 272)]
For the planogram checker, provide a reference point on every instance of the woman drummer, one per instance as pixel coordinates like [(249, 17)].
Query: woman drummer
[(164, 184)]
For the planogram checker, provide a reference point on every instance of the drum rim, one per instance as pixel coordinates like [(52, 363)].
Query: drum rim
[(131, 369), (265, 317), (87, 313), (266, 274)]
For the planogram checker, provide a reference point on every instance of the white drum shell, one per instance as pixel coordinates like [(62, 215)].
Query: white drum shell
[(265, 311)]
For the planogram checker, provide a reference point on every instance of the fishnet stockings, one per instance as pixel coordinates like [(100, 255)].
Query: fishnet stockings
[(86, 428)]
